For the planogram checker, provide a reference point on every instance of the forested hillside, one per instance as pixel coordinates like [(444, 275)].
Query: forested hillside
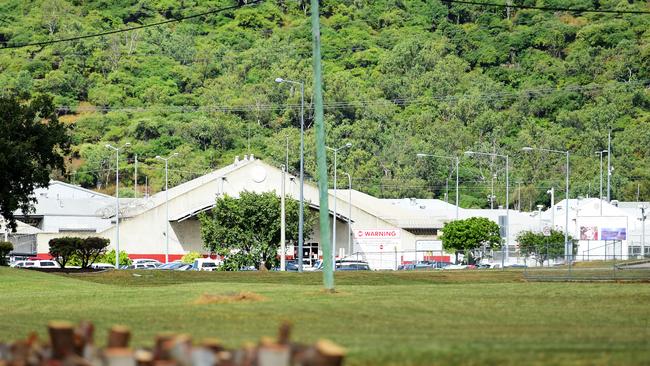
[(401, 77)]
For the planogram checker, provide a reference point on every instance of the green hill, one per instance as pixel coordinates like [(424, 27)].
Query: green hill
[(400, 77)]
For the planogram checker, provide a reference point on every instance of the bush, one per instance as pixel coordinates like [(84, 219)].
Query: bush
[(63, 249), (109, 257), (91, 249), (190, 257), (78, 251), (5, 248)]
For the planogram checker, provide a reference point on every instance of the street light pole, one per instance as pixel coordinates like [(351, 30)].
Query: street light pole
[(349, 144), (117, 201), (568, 248), (166, 160), (507, 251), (349, 211), (457, 161), (601, 180), (609, 162), (301, 217), (643, 217)]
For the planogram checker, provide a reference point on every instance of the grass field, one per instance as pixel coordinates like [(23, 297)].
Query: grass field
[(407, 318)]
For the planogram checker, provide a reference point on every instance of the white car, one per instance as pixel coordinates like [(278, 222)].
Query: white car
[(146, 260), (36, 264), (205, 264), (102, 266)]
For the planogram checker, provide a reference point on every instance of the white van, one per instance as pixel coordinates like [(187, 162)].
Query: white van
[(36, 264), (205, 264)]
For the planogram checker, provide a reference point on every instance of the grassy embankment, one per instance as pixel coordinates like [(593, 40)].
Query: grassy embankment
[(462, 317)]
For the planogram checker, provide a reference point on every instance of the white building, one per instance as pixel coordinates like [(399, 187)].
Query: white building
[(385, 232)]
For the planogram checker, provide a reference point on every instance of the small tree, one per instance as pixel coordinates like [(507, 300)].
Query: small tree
[(109, 257), (543, 247), (470, 235), (91, 249), (246, 230), (190, 257), (63, 249), (5, 248)]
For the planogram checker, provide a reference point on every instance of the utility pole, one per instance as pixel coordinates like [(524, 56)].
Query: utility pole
[(283, 249), (301, 216), (518, 196), (135, 192), (643, 217), (609, 163), (321, 158), (166, 160), (117, 201)]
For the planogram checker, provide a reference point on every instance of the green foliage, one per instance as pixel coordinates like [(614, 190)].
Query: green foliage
[(91, 249), (400, 77), (64, 249), (543, 247), (109, 257), (246, 230), (5, 248), (32, 145), (470, 235), (78, 251), (190, 257)]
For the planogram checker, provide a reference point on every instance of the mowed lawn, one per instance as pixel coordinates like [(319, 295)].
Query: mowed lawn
[(383, 318)]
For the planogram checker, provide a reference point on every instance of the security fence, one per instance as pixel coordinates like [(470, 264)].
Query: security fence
[(24, 244)]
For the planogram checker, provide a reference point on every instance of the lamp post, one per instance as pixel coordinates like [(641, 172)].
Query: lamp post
[(349, 211), (457, 160), (336, 150), (166, 160), (301, 219), (601, 179), (643, 217), (568, 248), (117, 200), (470, 153)]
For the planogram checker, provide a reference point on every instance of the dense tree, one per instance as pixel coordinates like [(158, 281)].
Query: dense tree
[(470, 236), (246, 230), (542, 247), (32, 144)]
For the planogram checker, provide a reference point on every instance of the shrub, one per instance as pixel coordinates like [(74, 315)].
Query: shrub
[(109, 257), (5, 248), (63, 249), (190, 257), (91, 249)]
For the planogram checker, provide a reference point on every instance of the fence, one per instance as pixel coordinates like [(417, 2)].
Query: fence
[(24, 244), (584, 267)]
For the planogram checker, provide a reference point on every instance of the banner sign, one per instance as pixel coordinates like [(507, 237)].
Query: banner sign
[(377, 234)]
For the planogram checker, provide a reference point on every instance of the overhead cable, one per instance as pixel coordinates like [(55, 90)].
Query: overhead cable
[(121, 30)]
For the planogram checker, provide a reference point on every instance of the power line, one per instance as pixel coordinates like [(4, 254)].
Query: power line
[(547, 8), (174, 20)]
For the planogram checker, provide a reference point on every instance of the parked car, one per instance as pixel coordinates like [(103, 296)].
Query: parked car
[(205, 264), (146, 260), (36, 264), (102, 266), (145, 265), (171, 265), (455, 266), (184, 267), (352, 266)]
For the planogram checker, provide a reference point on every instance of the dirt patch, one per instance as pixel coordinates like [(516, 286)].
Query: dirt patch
[(229, 298)]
